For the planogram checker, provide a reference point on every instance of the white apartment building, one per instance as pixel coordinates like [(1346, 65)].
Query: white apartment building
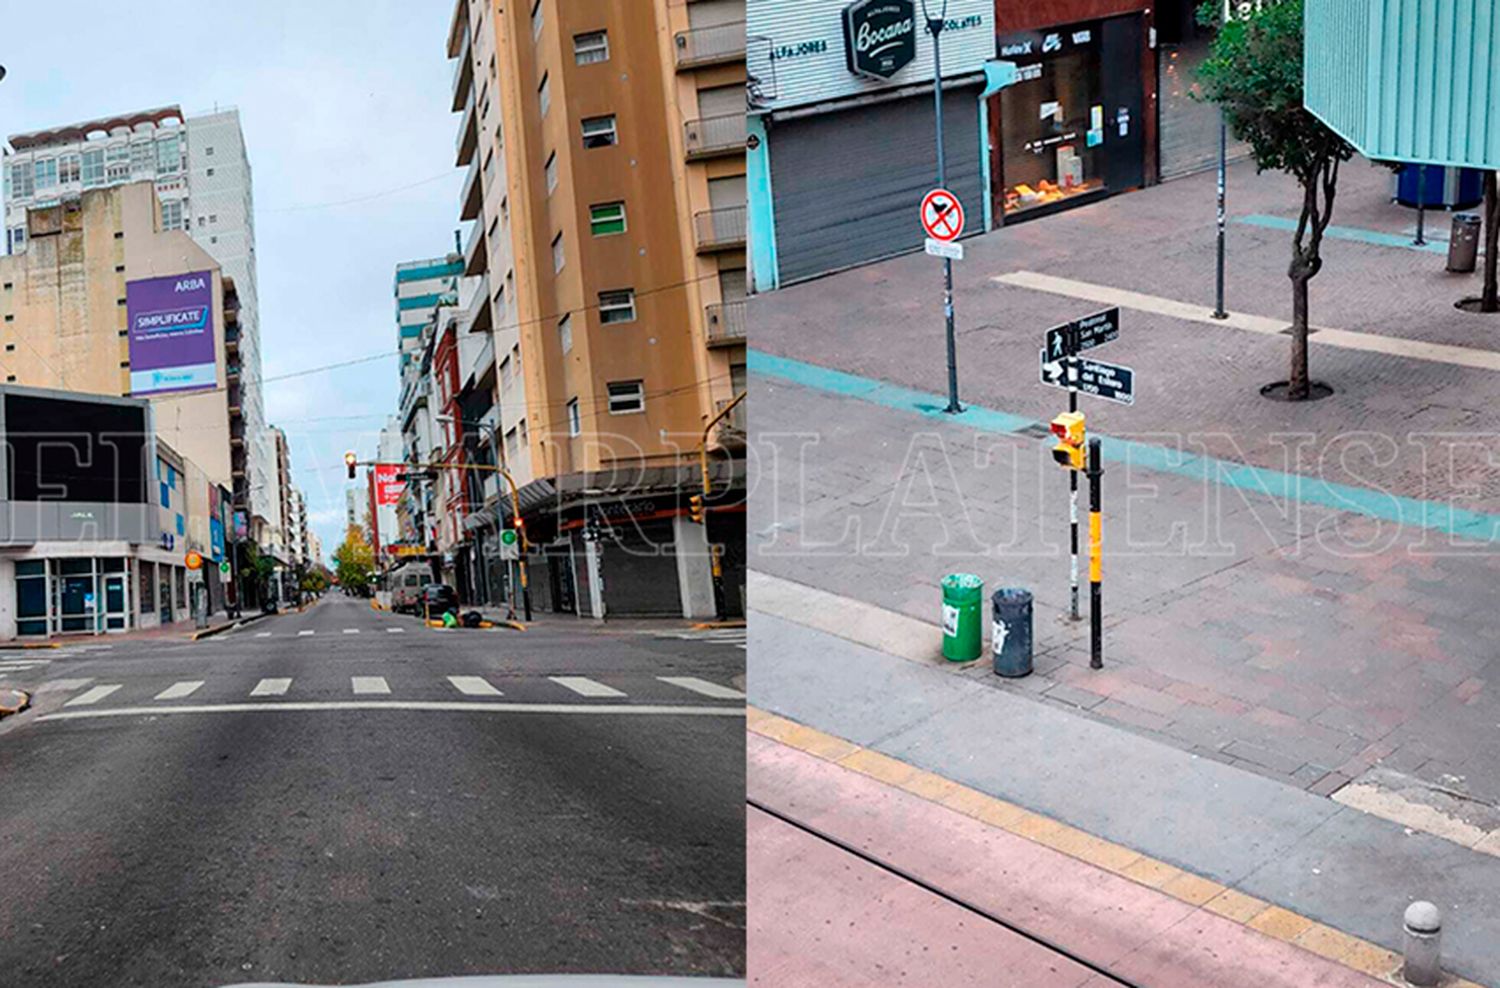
[(202, 175)]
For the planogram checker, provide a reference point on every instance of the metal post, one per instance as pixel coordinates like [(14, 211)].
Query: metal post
[(1073, 525), (1423, 928), (1096, 567), (1219, 312), (935, 26), (1421, 205)]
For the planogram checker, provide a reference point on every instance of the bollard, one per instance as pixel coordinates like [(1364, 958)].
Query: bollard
[(1423, 925), (963, 603)]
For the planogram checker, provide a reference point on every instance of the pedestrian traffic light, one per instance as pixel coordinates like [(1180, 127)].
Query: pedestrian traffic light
[(350, 461), (1069, 430), (695, 508)]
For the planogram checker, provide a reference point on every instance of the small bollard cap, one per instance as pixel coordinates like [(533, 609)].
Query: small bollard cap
[(1423, 917)]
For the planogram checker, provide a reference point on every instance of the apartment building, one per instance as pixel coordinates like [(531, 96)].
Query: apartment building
[(606, 184), (201, 173)]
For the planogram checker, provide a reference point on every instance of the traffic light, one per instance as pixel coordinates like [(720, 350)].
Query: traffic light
[(695, 508), (1069, 430), (350, 461)]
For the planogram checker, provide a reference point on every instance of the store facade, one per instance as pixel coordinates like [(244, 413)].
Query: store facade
[(842, 145)]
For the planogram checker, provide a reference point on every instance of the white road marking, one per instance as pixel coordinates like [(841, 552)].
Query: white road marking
[(396, 631), (92, 696), (585, 686), (301, 633), (474, 686), (466, 706), (370, 684), (179, 690), (20, 666), (62, 685), (1462, 356), (351, 631), (262, 634), (271, 687), (703, 686)]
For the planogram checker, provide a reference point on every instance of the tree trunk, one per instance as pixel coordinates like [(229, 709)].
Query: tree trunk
[(1298, 387), (1490, 298)]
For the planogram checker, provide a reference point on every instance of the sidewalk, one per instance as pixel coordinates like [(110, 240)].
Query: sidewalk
[(177, 629), (1303, 869)]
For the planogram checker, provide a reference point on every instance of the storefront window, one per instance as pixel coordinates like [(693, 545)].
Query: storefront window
[(31, 597), (1053, 121), (148, 587)]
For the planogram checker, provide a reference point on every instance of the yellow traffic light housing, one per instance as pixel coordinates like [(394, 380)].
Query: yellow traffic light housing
[(1071, 435), (350, 461), (695, 508)]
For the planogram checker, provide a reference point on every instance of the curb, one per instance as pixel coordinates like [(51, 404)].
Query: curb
[(13, 702), (203, 633), (28, 646), (714, 625), (1264, 917)]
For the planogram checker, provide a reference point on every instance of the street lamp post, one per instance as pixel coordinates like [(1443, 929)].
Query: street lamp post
[(935, 27)]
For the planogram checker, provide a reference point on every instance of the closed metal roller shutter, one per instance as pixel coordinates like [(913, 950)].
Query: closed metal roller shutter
[(847, 185), (639, 572)]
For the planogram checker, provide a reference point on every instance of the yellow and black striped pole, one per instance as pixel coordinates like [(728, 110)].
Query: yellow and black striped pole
[(1096, 561)]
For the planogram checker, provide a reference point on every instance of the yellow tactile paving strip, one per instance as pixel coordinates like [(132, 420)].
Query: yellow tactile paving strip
[(1271, 920)]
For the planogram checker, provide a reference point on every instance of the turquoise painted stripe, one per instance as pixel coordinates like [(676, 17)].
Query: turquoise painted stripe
[(418, 302), (431, 271), (1457, 522), (1354, 233)]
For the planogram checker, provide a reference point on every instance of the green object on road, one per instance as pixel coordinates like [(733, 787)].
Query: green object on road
[(450, 620), (508, 537), (963, 600)]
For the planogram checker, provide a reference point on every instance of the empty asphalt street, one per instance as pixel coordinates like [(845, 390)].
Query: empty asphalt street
[(346, 795)]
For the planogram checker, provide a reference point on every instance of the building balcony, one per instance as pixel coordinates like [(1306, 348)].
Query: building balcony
[(468, 133), (720, 229), (463, 74), (476, 251), (726, 323), (717, 45), (713, 136), (731, 431), (471, 198)]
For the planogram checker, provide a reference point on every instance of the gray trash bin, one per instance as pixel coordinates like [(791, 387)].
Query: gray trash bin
[(1463, 245), (1011, 632)]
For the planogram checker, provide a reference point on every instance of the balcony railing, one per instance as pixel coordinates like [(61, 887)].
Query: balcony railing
[(715, 135), (468, 133), (471, 199), (476, 252), (711, 45), (726, 323), (463, 74), (720, 229)]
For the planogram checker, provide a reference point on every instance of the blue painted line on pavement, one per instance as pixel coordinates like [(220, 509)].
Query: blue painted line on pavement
[(1359, 234), (1372, 503)]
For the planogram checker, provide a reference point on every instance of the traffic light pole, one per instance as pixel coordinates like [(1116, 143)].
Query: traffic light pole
[(1073, 524), (1096, 562), (715, 555)]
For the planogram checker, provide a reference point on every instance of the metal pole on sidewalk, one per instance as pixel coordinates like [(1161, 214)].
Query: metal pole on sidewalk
[(1096, 563), (1421, 205), (1219, 312), (935, 26), (1073, 524)]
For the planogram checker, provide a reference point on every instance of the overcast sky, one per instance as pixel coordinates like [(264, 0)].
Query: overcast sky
[(338, 100)]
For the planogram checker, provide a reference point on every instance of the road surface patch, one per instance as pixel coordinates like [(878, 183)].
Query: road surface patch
[(1244, 910), (584, 686)]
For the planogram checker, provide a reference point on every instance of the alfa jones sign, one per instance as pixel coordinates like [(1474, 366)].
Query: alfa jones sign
[(880, 36)]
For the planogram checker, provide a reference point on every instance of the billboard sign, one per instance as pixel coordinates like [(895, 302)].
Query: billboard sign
[(388, 489), (171, 333)]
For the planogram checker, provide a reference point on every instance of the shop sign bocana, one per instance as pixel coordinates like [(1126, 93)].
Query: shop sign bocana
[(880, 36)]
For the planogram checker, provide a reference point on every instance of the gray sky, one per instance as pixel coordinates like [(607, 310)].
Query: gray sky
[(338, 100)]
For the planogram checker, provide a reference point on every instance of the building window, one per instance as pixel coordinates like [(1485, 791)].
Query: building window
[(626, 397), (489, 167), (617, 306), (575, 424), (607, 219), (117, 163), (558, 257), (169, 155), (599, 132), (544, 95), (143, 158), (17, 239), (45, 170), (68, 169), (590, 48), (507, 375), (93, 168), (209, 151), (500, 303), (565, 334), (210, 172), (550, 172), (536, 22), (171, 214), (22, 184)]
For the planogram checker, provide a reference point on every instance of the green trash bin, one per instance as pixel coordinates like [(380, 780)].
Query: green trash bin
[(963, 603)]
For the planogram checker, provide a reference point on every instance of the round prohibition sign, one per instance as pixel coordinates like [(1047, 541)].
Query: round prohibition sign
[(942, 215)]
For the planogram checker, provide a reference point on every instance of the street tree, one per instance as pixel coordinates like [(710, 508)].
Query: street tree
[(354, 560), (1254, 73)]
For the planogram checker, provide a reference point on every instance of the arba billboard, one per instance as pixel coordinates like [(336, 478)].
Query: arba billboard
[(171, 333)]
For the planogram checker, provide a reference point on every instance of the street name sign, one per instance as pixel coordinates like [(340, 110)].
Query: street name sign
[(1071, 339), (1112, 382), (939, 248), (942, 215)]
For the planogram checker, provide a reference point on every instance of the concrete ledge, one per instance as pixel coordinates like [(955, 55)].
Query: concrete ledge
[(715, 625), (26, 646)]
